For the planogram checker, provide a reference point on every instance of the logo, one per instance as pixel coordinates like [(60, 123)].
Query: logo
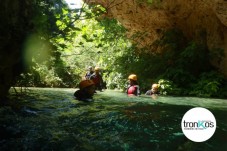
[(198, 124)]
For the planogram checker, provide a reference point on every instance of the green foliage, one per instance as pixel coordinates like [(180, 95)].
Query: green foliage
[(208, 85), (115, 81), (165, 87), (51, 79), (41, 30), (216, 55), (185, 66), (22, 80), (184, 62), (97, 10), (97, 44), (60, 29)]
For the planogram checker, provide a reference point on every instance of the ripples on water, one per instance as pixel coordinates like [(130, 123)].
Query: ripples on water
[(51, 119)]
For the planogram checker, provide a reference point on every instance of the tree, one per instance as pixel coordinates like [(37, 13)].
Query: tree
[(20, 20)]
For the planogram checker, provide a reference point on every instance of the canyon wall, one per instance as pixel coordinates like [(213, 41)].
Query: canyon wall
[(200, 20)]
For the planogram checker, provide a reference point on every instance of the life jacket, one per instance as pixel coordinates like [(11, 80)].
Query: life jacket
[(133, 90)]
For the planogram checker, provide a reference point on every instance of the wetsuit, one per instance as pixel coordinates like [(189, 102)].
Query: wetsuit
[(149, 92)]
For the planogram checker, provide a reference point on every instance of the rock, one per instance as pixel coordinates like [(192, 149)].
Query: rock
[(198, 20)]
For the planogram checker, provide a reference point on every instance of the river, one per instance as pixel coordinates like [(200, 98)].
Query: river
[(51, 119)]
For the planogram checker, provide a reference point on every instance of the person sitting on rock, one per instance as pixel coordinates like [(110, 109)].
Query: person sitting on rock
[(86, 91)]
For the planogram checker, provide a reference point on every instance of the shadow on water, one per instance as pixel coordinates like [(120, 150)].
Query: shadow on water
[(51, 119)]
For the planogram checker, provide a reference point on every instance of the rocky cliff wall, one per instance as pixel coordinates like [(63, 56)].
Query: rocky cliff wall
[(204, 20)]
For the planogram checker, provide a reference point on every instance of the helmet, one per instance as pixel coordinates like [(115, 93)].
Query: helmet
[(132, 77), (85, 83), (155, 86), (97, 68)]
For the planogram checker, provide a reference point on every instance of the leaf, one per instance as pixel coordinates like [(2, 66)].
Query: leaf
[(150, 1)]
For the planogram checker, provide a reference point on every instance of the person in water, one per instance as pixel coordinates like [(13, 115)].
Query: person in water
[(133, 88), (89, 73), (86, 91), (153, 90), (96, 77)]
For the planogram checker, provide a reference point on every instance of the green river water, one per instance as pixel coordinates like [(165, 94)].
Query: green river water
[(51, 119)]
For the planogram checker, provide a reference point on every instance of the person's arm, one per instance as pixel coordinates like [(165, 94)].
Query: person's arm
[(148, 92), (91, 77), (138, 90)]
